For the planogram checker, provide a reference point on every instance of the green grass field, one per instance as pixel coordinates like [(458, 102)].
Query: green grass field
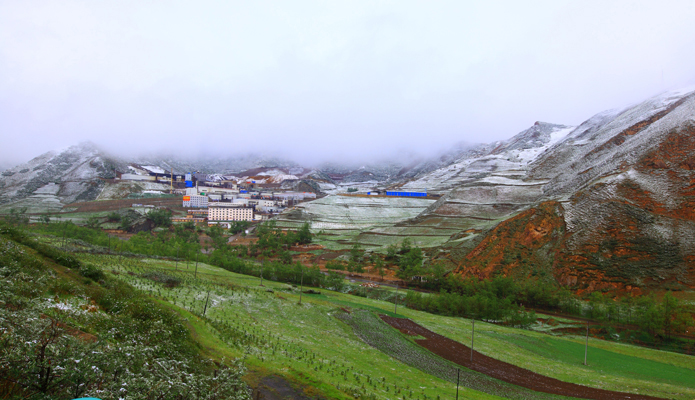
[(307, 344)]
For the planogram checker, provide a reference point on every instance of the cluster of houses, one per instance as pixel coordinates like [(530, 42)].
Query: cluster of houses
[(223, 205), (222, 200)]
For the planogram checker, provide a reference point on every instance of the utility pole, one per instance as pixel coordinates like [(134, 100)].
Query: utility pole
[(395, 309), (586, 346), (472, 338), (301, 286), (262, 264), (458, 379), (206, 303), (65, 228), (176, 267), (195, 275)]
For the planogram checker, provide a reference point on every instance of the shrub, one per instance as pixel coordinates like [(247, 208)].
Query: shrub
[(160, 217), (91, 272)]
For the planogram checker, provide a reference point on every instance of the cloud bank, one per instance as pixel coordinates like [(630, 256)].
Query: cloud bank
[(315, 81)]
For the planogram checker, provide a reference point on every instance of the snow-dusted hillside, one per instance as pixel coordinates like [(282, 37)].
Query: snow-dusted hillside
[(56, 178), (622, 183), (599, 146), (498, 163), (611, 202), (485, 186)]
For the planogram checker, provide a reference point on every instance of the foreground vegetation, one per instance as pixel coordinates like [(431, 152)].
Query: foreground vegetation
[(647, 320), (308, 344), (68, 330), (221, 315)]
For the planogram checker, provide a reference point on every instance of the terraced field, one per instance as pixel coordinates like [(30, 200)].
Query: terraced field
[(342, 221), (332, 348)]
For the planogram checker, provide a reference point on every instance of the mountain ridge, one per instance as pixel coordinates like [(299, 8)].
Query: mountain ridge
[(622, 188), (606, 205)]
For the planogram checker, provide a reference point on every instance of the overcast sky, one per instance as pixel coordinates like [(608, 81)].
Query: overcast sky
[(322, 80)]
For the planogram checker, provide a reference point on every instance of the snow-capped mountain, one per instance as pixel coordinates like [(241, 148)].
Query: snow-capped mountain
[(609, 204), (56, 178), (498, 162)]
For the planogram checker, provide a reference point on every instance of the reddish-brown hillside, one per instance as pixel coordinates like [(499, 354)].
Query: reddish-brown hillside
[(637, 229), (614, 206), (522, 245)]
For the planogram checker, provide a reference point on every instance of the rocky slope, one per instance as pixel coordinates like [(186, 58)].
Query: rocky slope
[(612, 205), (56, 178), (483, 187)]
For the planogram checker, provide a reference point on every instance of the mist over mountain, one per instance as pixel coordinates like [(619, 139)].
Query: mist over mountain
[(347, 200), (606, 204), (78, 172)]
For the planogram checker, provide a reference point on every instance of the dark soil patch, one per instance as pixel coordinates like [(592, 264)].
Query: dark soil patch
[(330, 255), (548, 321), (276, 388), (571, 331), (381, 336), (461, 355)]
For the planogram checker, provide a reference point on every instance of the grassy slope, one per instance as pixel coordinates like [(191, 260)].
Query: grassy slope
[(612, 366), (309, 329)]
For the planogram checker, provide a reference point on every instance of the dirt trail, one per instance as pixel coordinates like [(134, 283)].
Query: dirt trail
[(461, 354)]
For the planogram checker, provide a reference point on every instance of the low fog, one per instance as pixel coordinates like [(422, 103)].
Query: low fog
[(317, 81)]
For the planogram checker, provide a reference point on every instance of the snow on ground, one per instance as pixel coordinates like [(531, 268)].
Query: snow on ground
[(500, 180), (347, 212), (134, 170), (528, 155), (49, 189), (282, 177), (573, 167), (521, 151), (120, 190), (271, 172), (154, 169)]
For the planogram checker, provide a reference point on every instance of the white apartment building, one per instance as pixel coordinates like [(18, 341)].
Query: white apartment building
[(262, 203), (195, 201), (229, 212)]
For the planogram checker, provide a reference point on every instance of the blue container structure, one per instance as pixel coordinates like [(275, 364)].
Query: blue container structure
[(243, 191), (406, 194)]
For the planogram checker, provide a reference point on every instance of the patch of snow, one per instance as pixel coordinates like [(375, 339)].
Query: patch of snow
[(512, 182), (279, 178), (271, 172), (154, 169), (136, 171)]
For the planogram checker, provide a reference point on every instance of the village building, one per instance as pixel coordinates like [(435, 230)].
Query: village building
[(229, 212), (196, 201)]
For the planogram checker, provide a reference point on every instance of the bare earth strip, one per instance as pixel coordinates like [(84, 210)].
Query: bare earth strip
[(381, 336), (460, 354), (113, 205)]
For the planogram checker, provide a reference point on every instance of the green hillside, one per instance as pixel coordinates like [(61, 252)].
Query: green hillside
[(317, 345)]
